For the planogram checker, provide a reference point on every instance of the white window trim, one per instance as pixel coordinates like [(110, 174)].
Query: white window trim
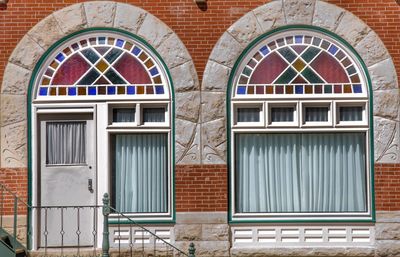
[(305, 104), (249, 104), (272, 104), (355, 103)]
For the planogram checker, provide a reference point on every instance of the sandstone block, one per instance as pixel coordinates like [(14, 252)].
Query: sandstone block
[(298, 11), (173, 51), (71, 18), (185, 77), (386, 103), (387, 248), (188, 106), (387, 231), (16, 80), (388, 217), (371, 49), (128, 17), (100, 13), (270, 15), (213, 106), (154, 30), (214, 142), (46, 32), (13, 109), (187, 142), (245, 29), (201, 217), (327, 15), (354, 33), (187, 232), (14, 145), (386, 140), (383, 75), (27, 53), (215, 232), (215, 77), (226, 51)]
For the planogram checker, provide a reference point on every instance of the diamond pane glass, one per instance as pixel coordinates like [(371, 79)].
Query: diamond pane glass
[(103, 65)]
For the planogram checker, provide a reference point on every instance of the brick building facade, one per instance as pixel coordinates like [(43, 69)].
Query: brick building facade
[(200, 45)]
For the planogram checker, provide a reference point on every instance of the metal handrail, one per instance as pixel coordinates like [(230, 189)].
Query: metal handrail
[(145, 229)]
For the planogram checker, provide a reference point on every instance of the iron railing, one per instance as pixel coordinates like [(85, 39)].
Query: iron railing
[(66, 230)]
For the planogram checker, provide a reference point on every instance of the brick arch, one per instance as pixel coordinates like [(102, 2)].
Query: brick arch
[(98, 14), (316, 13)]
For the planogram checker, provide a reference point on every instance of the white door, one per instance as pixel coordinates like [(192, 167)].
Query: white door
[(67, 178)]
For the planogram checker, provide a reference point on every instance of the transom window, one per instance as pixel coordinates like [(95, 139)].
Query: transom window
[(299, 131)]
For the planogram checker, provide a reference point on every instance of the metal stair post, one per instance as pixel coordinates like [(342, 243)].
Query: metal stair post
[(106, 233), (192, 250)]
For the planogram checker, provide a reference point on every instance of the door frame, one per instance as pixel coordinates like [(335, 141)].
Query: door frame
[(64, 109)]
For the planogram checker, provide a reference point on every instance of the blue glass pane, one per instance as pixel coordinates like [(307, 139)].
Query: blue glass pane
[(102, 40), (241, 90), (43, 91), (111, 90), (357, 89), (130, 90), (264, 50), (299, 89), (60, 57), (154, 71), (136, 50), (92, 91), (159, 90), (333, 49), (298, 39), (120, 42), (72, 91)]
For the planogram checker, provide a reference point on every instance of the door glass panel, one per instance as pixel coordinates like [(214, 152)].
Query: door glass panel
[(282, 114), (154, 114), (248, 114), (65, 143), (316, 113), (124, 115)]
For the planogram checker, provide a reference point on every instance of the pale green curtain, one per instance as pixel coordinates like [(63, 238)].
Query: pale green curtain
[(141, 173), (65, 143), (300, 173)]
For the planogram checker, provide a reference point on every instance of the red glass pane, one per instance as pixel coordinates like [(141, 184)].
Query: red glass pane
[(299, 80), (132, 70), (71, 70), (329, 69), (299, 49), (268, 70)]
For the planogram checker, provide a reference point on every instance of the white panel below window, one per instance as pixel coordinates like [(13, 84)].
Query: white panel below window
[(313, 236)]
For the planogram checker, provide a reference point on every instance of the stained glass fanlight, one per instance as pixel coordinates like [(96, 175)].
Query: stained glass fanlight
[(300, 63), (102, 65)]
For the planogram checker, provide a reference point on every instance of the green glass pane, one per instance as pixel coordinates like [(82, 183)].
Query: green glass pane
[(286, 77), (114, 77), (247, 71), (288, 54), (90, 55), (113, 55), (311, 76), (89, 78), (310, 53)]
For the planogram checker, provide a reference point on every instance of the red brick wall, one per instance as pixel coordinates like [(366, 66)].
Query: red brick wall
[(201, 188), (16, 181), (387, 187)]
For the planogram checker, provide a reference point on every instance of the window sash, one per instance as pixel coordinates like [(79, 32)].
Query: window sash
[(140, 183), (326, 168)]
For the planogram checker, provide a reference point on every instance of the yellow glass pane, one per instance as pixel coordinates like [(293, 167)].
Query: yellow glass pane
[(299, 65), (102, 66)]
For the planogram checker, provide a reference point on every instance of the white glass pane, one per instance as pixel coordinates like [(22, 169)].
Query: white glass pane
[(350, 113), (248, 115), (277, 173), (140, 173), (124, 115), (316, 114), (154, 114), (65, 143), (282, 114)]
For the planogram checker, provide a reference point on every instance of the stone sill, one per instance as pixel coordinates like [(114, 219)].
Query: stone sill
[(290, 251)]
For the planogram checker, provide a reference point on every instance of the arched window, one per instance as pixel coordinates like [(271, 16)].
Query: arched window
[(101, 115), (300, 130)]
